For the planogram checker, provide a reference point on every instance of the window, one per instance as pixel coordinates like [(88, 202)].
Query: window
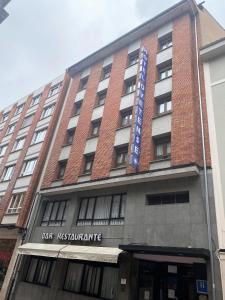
[(101, 96), (102, 210), (29, 167), (89, 159), (162, 148), (121, 156), (39, 136), (77, 108), (95, 127), (106, 71), (97, 280), (39, 270), (11, 128), (168, 198), (19, 109), (3, 149), (5, 116), (83, 83), (48, 111), (35, 100), (16, 203), (27, 121), (55, 89), (69, 136), (165, 42), (133, 58), (130, 85), (54, 213), (19, 143), (126, 118), (61, 169), (8, 172), (163, 105), (164, 71)]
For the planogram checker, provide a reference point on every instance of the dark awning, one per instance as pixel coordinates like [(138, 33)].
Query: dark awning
[(173, 251)]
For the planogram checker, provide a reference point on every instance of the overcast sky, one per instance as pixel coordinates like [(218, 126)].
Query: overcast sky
[(41, 38)]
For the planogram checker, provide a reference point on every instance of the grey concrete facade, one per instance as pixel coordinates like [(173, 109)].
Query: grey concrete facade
[(173, 225)]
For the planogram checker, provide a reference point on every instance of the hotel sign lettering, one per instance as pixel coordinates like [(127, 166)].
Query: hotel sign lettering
[(139, 109), (85, 237)]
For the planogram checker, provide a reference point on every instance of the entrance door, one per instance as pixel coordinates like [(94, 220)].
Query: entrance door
[(165, 281)]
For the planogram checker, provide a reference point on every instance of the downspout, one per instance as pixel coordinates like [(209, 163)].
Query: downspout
[(208, 219)]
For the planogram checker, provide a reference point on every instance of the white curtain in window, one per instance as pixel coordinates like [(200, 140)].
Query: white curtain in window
[(102, 208), (109, 283), (73, 277)]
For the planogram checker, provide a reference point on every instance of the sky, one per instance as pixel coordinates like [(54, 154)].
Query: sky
[(40, 39)]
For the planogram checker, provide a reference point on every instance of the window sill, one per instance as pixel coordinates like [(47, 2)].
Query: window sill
[(119, 167), (12, 214), (26, 175), (85, 174), (49, 96), (123, 95), (123, 127), (127, 67), (102, 79), (160, 159), (99, 105), (7, 180), (66, 145), (92, 137), (32, 144), (80, 90), (162, 114), (45, 117), (159, 51), (17, 150), (163, 79), (74, 115)]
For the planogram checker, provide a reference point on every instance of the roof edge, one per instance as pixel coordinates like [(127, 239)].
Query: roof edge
[(182, 7)]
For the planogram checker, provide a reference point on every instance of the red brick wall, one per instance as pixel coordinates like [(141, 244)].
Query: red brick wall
[(75, 161), (51, 171), (104, 153), (11, 114), (184, 128), (185, 133), (43, 153)]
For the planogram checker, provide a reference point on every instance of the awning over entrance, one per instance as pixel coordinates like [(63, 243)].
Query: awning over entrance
[(101, 254), (167, 254)]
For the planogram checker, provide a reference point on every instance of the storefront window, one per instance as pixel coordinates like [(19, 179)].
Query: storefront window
[(86, 279), (102, 210), (6, 250)]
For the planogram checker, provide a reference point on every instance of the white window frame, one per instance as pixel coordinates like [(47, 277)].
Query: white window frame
[(19, 143), (5, 116), (15, 204), (29, 166), (55, 89), (48, 110), (28, 119), (11, 128), (8, 172), (4, 147), (19, 109), (35, 100), (39, 136)]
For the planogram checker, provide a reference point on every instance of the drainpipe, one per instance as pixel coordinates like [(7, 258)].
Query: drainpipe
[(208, 218)]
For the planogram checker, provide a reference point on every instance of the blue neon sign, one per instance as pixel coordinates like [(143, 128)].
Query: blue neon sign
[(139, 109)]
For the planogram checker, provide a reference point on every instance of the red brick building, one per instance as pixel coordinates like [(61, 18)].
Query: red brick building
[(26, 131)]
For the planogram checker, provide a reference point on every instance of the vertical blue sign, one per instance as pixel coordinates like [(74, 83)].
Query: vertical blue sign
[(139, 110)]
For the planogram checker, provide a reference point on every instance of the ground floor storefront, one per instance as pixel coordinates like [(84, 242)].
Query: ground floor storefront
[(112, 273), (10, 239)]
